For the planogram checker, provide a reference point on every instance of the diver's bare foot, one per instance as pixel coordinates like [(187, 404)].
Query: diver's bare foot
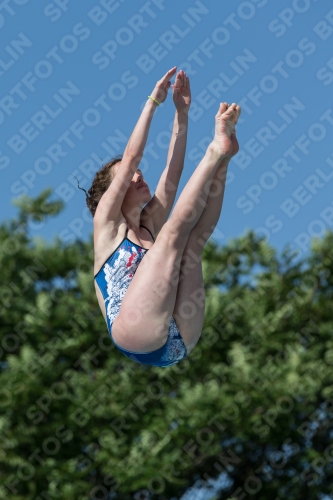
[(225, 121)]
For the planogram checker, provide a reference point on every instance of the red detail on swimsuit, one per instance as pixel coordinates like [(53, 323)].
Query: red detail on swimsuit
[(130, 260)]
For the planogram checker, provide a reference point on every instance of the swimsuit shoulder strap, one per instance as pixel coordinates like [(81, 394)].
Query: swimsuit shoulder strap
[(148, 231)]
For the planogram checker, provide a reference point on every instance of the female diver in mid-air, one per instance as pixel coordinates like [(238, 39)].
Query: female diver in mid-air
[(154, 301)]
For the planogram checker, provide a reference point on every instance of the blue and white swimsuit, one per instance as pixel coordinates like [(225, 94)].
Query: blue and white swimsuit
[(113, 280)]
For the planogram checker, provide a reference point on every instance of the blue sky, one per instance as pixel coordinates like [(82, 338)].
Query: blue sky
[(74, 77)]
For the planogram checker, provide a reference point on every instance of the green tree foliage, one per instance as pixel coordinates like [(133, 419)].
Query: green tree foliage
[(254, 399)]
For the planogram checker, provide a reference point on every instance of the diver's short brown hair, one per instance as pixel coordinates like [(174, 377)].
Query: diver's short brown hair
[(101, 183)]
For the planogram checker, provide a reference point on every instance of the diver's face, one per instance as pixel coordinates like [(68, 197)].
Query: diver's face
[(138, 188)]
